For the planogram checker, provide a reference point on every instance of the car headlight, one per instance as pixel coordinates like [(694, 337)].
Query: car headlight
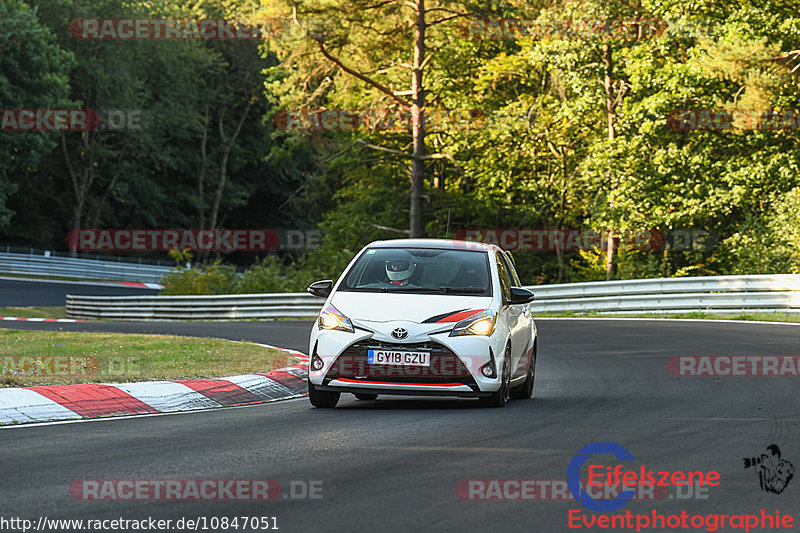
[(478, 324), (331, 318)]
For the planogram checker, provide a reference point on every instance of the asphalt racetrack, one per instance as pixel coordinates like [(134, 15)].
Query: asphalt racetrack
[(392, 465), (292, 334), (24, 292)]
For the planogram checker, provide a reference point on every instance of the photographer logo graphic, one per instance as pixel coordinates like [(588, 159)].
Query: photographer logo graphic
[(612, 479), (773, 472), (574, 476)]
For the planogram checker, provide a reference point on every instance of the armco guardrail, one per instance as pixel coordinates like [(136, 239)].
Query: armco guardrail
[(223, 307), (712, 294), (662, 295), (69, 267)]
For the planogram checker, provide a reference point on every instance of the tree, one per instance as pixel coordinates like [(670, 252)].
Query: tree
[(33, 74), (372, 50), (198, 153)]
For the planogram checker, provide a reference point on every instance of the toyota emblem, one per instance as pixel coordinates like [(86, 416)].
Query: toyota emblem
[(399, 333)]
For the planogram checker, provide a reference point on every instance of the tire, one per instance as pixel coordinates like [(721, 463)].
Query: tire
[(322, 399), (525, 391), (501, 397), (365, 396)]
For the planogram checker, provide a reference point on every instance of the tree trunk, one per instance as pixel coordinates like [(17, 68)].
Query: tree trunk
[(227, 146), (201, 176), (560, 259), (81, 180), (608, 86), (418, 124), (107, 192), (416, 105), (77, 210)]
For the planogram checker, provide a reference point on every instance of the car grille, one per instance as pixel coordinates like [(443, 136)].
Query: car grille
[(445, 366)]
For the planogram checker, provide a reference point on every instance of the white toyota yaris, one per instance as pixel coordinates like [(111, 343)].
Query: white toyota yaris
[(424, 317)]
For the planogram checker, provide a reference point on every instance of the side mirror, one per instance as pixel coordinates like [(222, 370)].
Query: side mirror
[(321, 288), (520, 296)]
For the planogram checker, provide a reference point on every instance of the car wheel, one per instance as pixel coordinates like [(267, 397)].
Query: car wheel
[(525, 391), (321, 398), (365, 396), (500, 398)]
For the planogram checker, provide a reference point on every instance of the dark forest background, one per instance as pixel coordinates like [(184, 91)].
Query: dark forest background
[(594, 150)]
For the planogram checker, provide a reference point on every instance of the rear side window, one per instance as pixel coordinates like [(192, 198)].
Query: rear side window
[(512, 271), (505, 278)]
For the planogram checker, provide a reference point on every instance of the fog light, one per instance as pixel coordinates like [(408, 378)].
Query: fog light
[(317, 363), (488, 370)]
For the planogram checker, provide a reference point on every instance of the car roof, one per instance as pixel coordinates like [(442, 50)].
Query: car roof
[(447, 244)]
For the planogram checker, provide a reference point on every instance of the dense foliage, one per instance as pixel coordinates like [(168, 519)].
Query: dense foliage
[(591, 146)]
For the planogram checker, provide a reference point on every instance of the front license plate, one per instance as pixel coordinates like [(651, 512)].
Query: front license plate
[(390, 357)]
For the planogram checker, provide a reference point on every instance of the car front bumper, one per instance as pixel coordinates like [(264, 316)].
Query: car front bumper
[(455, 368)]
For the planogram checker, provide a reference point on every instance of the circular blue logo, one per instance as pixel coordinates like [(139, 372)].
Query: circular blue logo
[(574, 476)]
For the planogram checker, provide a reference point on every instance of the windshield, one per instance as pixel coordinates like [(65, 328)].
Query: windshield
[(420, 271)]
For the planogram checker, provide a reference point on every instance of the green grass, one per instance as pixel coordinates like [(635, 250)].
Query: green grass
[(102, 357), (765, 317), (34, 312)]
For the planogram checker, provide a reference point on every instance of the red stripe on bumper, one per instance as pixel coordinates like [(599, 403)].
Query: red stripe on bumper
[(400, 384)]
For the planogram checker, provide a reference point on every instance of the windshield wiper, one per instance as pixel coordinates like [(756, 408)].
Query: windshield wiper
[(415, 289), (443, 290), (465, 290)]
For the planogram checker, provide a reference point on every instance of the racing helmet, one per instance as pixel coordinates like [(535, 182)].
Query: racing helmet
[(401, 267)]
